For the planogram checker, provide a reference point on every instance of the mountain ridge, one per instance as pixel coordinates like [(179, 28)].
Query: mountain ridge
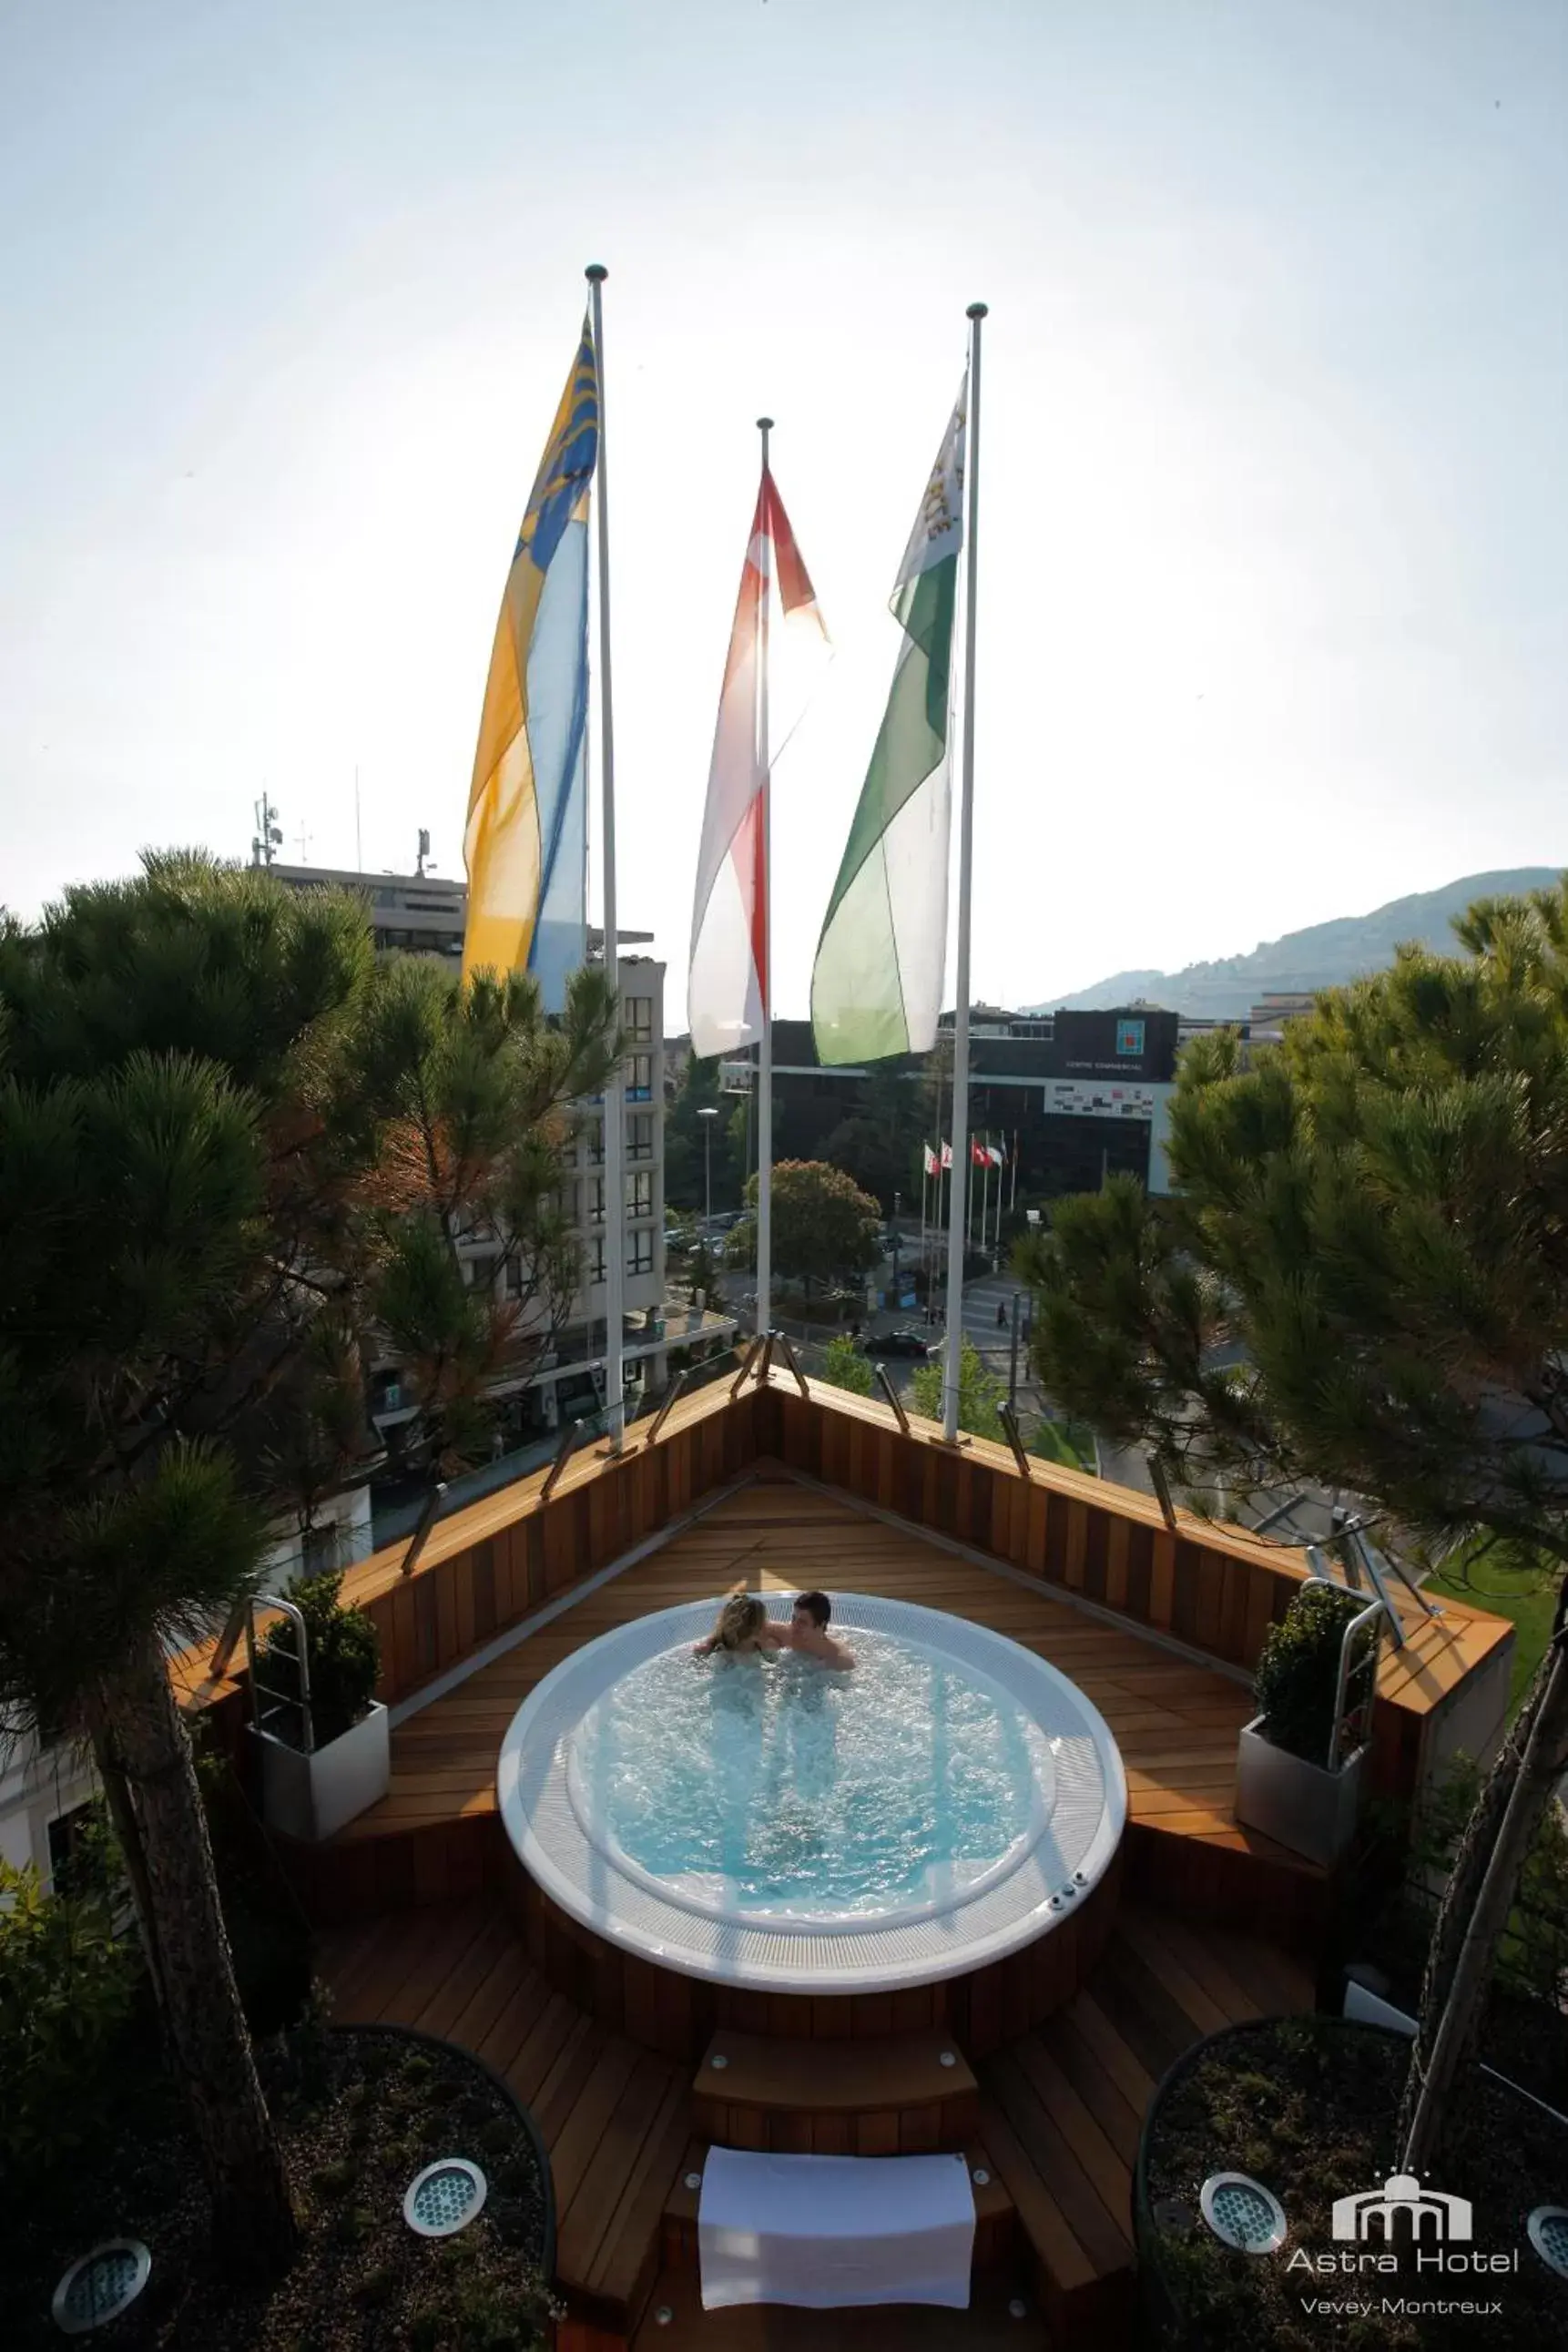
[(1324, 955)]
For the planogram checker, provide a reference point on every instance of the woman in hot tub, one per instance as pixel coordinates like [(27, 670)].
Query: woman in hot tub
[(743, 1630)]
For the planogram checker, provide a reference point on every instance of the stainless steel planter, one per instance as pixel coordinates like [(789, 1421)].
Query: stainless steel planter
[(311, 1796), (1301, 1805)]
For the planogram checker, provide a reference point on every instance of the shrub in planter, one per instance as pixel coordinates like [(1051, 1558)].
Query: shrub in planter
[(1298, 1670), (1284, 1785), (343, 1653)]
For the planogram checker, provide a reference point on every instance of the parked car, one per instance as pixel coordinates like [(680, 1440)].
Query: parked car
[(906, 1341)]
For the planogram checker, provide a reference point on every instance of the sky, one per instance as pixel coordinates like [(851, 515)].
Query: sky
[(1273, 542)]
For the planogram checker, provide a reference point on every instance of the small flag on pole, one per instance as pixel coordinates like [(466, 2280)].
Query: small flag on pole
[(525, 844), (932, 1162), (776, 609), (947, 1155), (876, 987)]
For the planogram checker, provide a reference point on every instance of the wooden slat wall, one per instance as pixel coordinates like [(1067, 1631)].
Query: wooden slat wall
[(1217, 1591), (495, 1563)]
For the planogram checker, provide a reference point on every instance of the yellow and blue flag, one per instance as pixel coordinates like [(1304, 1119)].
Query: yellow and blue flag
[(526, 843)]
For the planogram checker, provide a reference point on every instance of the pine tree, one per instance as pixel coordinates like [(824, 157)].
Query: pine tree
[(1362, 1281), (227, 1137)]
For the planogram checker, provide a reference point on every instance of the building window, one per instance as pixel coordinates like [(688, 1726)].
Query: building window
[(639, 1252), (1130, 1036), (69, 1835), (514, 1277), (594, 1141), (320, 1550), (564, 1200), (640, 1135), (639, 1078), (596, 1200), (639, 1020), (639, 1195), (480, 1273), (595, 1259)]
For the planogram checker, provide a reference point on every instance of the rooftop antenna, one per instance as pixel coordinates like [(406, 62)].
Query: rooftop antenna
[(359, 845), (303, 839), (268, 838), (423, 853)]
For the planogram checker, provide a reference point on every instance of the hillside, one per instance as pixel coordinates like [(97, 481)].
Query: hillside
[(1324, 956)]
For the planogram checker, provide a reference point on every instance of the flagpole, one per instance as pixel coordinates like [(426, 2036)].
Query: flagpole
[(766, 1045), (966, 860), (615, 1118)]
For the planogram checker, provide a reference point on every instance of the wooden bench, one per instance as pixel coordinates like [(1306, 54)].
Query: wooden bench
[(996, 2242)]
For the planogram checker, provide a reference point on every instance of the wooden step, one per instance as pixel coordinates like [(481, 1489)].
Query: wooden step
[(776, 2093), (997, 2241), (676, 2322)]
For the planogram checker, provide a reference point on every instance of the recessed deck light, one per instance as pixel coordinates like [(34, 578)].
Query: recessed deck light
[(1548, 2226), (445, 2197), (102, 2285), (1242, 2213)]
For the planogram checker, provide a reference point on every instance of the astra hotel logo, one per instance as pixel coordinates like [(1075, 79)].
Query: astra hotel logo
[(1439, 2231)]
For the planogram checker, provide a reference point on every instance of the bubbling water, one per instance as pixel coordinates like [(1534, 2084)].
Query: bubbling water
[(801, 1789)]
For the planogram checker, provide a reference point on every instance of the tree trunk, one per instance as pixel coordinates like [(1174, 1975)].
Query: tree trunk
[(1474, 1911), (253, 2223), (128, 1837)]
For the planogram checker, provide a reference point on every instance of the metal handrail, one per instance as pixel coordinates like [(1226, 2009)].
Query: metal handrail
[(285, 1698), (800, 1379), (426, 1520), (571, 1438), (1162, 1487), (894, 1399), (669, 1398), (1009, 1420), (1374, 1614), (745, 1374)]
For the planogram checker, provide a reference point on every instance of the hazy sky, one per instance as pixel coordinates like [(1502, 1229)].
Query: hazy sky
[(1274, 537)]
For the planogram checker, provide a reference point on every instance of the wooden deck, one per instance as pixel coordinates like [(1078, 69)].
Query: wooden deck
[(1059, 2114), (1174, 1719)]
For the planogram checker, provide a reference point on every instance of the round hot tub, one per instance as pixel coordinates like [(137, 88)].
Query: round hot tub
[(772, 1827)]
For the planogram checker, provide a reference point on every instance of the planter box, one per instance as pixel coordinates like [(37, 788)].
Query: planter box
[(1301, 1805), (311, 1796)]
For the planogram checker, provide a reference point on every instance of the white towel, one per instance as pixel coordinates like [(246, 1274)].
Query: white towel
[(830, 2230)]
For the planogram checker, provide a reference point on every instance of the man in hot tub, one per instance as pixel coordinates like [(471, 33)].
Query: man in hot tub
[(808, 1635)]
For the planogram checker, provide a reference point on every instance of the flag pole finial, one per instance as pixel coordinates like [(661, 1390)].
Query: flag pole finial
[(595, 273), (766, 426), (975, 310)]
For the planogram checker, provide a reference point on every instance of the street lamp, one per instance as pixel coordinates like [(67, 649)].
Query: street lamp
[(708, 1114)]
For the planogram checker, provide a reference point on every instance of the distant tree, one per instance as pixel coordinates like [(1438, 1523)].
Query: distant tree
[(878, 1144), (825, 1227), (846, 1367), (1362, 1281), (980, 1392)]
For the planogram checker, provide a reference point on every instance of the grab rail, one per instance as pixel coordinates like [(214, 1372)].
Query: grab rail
[(800, 1379), (259, 1689), (894, 1399), (1009, 1420)]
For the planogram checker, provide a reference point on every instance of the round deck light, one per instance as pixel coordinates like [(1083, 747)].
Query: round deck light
[(1548, 2226), (1242, 2213), (445, 2197), (102, 2285)]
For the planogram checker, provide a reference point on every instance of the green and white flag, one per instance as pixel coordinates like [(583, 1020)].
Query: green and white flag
[(876, 986)]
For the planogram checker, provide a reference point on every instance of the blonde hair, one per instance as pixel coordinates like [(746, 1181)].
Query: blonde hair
[(741, 1617)]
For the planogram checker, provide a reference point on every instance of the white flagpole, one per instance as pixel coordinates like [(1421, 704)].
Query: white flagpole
[(1013, 1194), (765, 1047), (985, 1194), (614, 1095), (965, 861)]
